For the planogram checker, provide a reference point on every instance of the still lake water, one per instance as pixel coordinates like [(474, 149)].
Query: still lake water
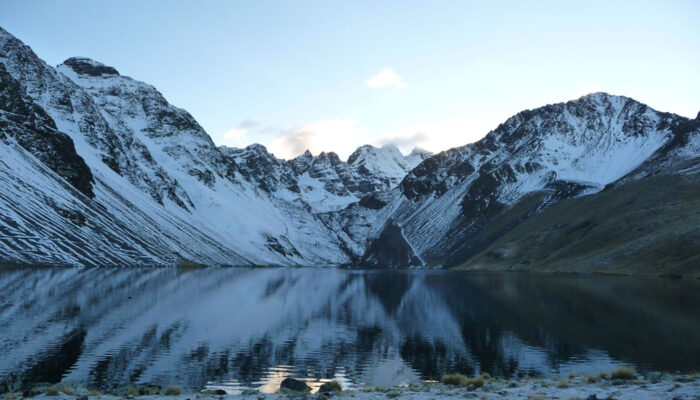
[(250, 328)]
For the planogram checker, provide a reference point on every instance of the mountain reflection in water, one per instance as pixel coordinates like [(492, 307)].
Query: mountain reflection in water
[(251, 328)]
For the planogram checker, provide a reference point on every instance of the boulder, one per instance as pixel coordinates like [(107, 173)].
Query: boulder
[(294, 385)]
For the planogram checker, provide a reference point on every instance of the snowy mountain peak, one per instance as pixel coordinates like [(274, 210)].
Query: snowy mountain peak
[(417, 151), (364, 152), (417, 156), (87, 66), (385, 162)]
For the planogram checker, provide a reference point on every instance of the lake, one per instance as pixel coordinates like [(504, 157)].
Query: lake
[(250, 328)]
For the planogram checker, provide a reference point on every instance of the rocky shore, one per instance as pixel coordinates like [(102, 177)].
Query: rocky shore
[(671, 387)]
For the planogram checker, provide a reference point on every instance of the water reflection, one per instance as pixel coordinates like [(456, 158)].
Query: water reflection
[(242, 328)]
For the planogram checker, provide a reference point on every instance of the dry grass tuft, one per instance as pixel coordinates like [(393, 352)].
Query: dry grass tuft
[(623, 373), (172, 391), (463, 380), (332, 386)]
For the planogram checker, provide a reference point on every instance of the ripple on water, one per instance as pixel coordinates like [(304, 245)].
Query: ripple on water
[(238, 329)]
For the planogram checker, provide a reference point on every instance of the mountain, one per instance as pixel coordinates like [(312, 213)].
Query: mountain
[(104, 171), (324, 182), (455, 204), (149, 169)]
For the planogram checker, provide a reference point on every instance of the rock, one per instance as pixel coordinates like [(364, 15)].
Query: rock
[(83, 397), (653, 377), (592, 397), (294, 385), (90, 67), (471, 388), (218, 392)]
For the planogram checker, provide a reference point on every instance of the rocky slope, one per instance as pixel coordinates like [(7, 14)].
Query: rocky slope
[(648, 225), (537, 158), (98, 160), (324, 182)]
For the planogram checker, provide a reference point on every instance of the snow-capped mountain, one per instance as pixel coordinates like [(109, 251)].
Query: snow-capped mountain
[(444, 205), (386, 162), (325, 182), (103, 171), (156, 171)]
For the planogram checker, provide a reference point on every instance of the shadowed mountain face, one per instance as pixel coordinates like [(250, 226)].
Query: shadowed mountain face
[(240, 328), (650, 225), (25, 123), (104, 171)]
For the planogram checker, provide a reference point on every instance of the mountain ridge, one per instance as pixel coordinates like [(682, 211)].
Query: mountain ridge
[(151, 169)]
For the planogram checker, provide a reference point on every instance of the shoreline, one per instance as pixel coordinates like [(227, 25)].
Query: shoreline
[(672, 387)]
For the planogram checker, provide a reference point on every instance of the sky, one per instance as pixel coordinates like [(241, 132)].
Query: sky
[(334, 75)]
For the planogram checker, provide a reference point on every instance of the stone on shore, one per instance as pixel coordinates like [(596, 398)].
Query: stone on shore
[(294, 385)]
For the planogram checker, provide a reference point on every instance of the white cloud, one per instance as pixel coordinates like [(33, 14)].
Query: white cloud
[(386, 78), (436, 137), (338, 135), (235, 136), (406, 141), (238, 136), (344, 135)]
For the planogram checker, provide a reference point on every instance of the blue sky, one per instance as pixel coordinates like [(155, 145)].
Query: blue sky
[(332, 75)]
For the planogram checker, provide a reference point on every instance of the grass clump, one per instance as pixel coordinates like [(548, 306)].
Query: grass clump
[(623, 373), (11, 396), (132, 391), (597, 378), (172, 391), (68, 389), (52, 391), (463, 380), (148, 390), (536, 397), (332, 386)]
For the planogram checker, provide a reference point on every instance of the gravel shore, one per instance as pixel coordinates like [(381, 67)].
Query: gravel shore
[(672, 388)]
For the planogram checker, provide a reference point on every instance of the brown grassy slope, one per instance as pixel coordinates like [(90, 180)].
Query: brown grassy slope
[(649, 226)]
